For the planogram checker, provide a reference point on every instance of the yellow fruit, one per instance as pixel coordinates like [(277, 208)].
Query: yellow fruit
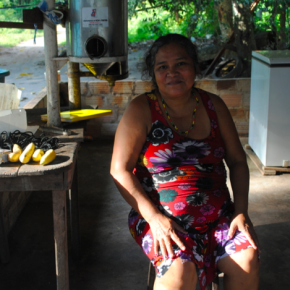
[(16, 152), (36, 156), (16, 148), (27, 153), (47, 157), (14, 156)]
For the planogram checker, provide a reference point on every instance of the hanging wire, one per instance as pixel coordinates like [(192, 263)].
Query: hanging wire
[(8, 139)]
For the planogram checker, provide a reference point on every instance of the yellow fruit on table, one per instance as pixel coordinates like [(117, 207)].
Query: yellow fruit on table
[(36, 156), (27, 153), (47, 157), (16, 148), (16, 152)]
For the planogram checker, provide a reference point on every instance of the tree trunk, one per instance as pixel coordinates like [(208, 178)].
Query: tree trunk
[(225, 17), (281, 36), (244, 32), (273, 24)]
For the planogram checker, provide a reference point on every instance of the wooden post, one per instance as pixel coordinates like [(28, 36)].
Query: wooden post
[(74, 215), (4, 248), (60, 239), (74, 85), (50, 46), (150, 277)]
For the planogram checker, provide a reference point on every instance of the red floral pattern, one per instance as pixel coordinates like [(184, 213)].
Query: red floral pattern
[(186, 179)]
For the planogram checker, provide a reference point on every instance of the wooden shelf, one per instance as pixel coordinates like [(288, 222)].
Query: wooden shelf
[(265, 170)]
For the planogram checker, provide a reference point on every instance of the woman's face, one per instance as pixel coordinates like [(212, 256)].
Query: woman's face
[(174, 70)]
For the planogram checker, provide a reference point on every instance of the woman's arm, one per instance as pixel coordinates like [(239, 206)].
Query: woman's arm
[(239, 172), (129, 140)]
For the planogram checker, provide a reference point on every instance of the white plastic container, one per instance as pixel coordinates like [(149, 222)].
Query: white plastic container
[(269, 124), (11, 120)]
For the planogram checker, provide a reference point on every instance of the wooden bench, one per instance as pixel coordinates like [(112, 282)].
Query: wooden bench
[(59, 177)]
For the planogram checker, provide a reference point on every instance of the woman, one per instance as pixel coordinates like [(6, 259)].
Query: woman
[(168, 165)]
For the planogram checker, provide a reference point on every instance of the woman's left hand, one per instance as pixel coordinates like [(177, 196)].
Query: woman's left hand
[(242, 223)]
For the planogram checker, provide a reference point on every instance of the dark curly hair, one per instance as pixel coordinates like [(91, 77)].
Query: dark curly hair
[(149, 57)]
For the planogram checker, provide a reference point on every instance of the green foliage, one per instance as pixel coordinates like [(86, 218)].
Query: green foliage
[(151, 18), (148, 19), (150, 26), (11, 36), (14, 14), (267, 16), (184, 17)]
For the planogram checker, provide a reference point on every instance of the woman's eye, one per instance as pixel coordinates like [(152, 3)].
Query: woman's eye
[(181, 63), (162, 67)]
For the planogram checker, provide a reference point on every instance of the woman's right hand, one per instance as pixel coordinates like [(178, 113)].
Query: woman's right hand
[(164, 230)]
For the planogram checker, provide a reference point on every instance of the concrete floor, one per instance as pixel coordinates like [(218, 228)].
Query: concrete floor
[(110, 259)]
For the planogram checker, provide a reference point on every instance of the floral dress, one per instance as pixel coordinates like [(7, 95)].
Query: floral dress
[(186, 179)]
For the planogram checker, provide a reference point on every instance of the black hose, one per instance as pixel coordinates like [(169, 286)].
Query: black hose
[(8, 139)]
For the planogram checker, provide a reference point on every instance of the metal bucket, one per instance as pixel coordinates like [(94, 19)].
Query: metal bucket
[(97, 36)]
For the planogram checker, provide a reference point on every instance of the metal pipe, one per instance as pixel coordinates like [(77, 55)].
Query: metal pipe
[(74, 86), (50, 46)]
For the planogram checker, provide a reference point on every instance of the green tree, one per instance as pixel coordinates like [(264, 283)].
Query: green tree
[(196, 15)]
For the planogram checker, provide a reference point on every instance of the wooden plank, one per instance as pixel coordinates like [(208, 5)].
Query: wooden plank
[(265, 170), (277, 168), (36, 100), (9, 169), (32, 15), (69, 174), (60, 62), (257, 161), (22, 25), (4, 247), (54, 181), (60, 239), (77, 135), (74, 215), (9, 96), (65, 155)]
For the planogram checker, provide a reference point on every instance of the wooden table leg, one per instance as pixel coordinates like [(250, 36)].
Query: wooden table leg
[(74, 216), (4, 248), (60, 239)]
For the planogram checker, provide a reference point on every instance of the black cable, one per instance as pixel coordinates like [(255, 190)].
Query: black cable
[(8, 139)]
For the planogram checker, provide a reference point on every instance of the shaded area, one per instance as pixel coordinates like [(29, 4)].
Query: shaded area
[(110, 259)]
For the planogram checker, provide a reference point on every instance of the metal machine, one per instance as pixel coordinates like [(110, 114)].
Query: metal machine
[(97, 36)]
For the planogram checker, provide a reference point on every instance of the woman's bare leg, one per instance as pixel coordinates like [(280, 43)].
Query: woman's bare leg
[(241, 270), (180, 276)]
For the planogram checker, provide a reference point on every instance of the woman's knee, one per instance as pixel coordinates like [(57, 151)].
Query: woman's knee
[(250, 260), (241, 270), (246, 260), (180, 275)]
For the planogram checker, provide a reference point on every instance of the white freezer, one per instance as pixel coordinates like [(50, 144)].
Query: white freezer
[(269, 124)]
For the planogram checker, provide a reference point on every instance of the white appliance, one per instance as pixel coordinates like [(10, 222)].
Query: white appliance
[(269, 124)]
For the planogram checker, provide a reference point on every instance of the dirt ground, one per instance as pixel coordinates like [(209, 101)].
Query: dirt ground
[(26, 65)]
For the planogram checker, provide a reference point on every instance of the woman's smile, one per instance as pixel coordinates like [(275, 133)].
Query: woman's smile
[(174, 82)]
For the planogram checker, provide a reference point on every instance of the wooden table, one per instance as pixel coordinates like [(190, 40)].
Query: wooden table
[(59, 176)]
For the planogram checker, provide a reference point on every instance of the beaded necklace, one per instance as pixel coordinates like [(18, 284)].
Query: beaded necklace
[(171, 122)]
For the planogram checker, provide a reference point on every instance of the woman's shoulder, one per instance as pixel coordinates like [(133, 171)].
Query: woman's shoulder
[(138, 111), (139, 103)]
